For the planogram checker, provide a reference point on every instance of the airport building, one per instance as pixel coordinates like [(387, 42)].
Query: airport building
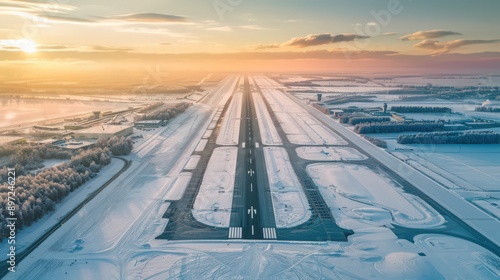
[(105, 131), (148, 124)]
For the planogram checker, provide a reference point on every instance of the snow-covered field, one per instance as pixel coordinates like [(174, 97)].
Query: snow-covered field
[(268, 133), (299, 126), (457, 81), (19, 111), (214, 201), (290, 204), (368, 197), (471, 215), (178, 186), (471, 171), (29, 234), (127, 215), (330, 153), (230, 129), (192, 163)]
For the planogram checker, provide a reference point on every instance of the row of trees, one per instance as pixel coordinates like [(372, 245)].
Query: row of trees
[(377, 142), (354, 120), (151, 107), (165, 114), (37, 194), (31, 157), (118, 146), (394, 127), (487, 109), (451, 137), (420, 109)]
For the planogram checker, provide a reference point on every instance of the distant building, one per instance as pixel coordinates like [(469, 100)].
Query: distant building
[(77, 145), (12, 140), (54, 142), (148, 124), (105, 131)]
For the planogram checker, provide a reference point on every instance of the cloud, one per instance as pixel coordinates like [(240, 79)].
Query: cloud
[(430, 34), (148, 30), (53, 47), (66, 19), (265, 46), (45, 6), (322, 39), (445, 47), (149, 18), (110, 49), (221, 28), (251, 27), (390, 34)]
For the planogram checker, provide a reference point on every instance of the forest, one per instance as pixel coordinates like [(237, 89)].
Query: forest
[(451, 137), (354, 120), (164, 114), (487, 109), (394, 127), (420, 109), (37, 193)]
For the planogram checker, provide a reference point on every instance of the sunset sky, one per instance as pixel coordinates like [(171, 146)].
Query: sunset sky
[(257, 35)]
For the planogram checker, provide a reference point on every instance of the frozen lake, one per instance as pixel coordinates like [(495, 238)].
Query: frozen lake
[(20, 110)]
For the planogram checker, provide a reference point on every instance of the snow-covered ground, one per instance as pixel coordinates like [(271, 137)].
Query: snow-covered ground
[(470, 214), (372, 252), (268, 133), (330, 153), (471, 171), (214, 201), (290, 204), (358, 196), (127, 214), (230, 129), (192, 163), (299, 126), (178, 186), (201, 145), (29, 234)]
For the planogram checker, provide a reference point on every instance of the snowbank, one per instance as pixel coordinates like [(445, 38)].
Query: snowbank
[(192, 162), (230, 129), (299, 126), (367, 196), (215, 196), (330, 154), (178, 186), (290, 204), (268, 133)]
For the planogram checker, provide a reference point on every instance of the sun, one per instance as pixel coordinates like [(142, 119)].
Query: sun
[(26, 45)]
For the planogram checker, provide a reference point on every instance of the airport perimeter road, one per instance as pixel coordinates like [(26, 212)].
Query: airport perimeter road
[(252, 214)]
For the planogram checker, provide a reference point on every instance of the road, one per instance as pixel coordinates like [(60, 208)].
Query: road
[(252, 209)]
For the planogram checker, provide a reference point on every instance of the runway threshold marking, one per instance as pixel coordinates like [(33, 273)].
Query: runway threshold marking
[(235, 232), (269, 233)]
